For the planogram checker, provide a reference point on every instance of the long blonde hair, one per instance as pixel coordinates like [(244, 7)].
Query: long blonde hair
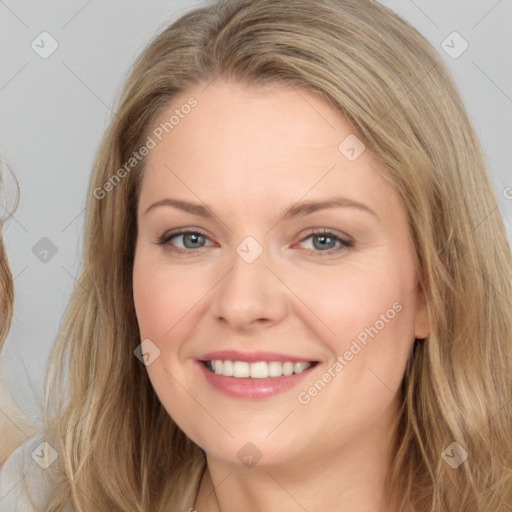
[(119, 449), (14, 426), (8, 205)]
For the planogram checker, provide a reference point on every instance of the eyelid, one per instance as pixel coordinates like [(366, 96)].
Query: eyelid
[(165, 238), (327, 231), (346, 242)]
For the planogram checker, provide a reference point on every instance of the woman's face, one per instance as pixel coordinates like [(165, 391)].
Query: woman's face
[(271, 274)]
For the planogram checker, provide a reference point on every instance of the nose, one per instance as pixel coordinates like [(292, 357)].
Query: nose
[(250, 295)]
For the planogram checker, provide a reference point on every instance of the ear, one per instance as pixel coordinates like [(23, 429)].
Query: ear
[(421, 320)]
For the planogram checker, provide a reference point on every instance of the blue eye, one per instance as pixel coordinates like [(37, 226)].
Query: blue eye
[(194, 238), (324, 242), (326, 239)]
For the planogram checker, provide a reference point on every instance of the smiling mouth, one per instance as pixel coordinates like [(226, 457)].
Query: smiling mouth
[(256, 370)]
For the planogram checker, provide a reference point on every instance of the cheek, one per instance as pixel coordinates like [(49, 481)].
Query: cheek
[(365, 312), (369, 312), (353, 297), (163, 297)]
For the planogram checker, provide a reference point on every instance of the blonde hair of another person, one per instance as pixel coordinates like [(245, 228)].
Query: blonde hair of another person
[(14, 426)]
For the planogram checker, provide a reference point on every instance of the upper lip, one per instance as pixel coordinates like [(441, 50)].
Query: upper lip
[(252, 357)]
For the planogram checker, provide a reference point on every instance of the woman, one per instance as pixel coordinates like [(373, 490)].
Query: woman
[(257, 370)]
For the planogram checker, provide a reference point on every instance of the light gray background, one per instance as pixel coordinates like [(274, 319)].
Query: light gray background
[(55, 110)]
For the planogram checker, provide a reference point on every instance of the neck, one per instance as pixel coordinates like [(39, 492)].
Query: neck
[(351, 478)]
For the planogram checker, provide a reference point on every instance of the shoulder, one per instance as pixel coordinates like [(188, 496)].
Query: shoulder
[(24, 477)]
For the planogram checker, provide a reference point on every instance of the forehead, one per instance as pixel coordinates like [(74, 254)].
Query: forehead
[(244, 143)]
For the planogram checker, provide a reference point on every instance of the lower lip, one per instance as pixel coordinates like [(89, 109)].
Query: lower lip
[(252, 389)]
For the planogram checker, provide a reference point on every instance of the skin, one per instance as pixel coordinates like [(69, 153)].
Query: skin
[(248, 153)]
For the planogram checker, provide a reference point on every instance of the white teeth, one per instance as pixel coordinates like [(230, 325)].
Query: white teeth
[(275, 369), (227, 368), (240, 369), (300, 367), (217, 367), (258, 370), (288, 369)]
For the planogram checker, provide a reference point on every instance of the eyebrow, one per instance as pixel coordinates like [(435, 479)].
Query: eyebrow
[(296, 210)]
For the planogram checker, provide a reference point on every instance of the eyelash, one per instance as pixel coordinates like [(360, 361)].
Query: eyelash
[(344, 244)]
